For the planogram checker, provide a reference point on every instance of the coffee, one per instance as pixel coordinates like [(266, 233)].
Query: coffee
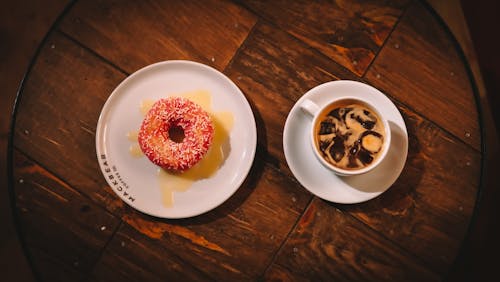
[(349, 134)]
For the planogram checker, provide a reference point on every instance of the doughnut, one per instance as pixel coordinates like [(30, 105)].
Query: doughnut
[(168, 116)]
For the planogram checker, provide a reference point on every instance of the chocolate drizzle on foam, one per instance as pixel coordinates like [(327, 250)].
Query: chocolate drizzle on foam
[(350, 136)]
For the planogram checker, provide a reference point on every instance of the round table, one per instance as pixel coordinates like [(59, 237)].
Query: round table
[(74, 226)]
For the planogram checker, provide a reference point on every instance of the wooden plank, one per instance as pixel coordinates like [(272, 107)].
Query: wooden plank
[(420, 66), (294, 67), (131, 256), (59, 225), (238, 239), (428, 209), (433, 171), (277, 272), (222, 244), (329, 245), (349, 32), (49, 268), (58, 113), (132, 34), (241, 224)]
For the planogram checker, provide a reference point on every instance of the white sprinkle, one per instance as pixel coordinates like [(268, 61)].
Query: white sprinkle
[(294, 199), (239, 77), (53, 46), (213, 59), (21, 181), (26, 132), (318, 214), (452, 73), (271, 237), (236, 25), (295, 249), (377, 76), (467, 134), (122, 244), (355, 63), (467, 163), (103, 228), (396, 46)]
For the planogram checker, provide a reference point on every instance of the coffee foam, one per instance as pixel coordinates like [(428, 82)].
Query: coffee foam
[(349, 134)]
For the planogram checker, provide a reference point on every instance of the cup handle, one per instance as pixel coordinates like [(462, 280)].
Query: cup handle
[(309, 107)]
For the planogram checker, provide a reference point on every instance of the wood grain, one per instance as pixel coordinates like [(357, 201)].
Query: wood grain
[(277, 272), (238, 239), (62, 227), (349, 32), (429, 208), (271, 228), (420, 67), (430, 201), (133, 34), (330, 245), (131, 256), (58, 114), (49, 268), (294, 68), (241, 224)]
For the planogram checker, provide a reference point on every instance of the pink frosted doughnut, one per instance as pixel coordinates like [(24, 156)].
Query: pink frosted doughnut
[(156, 143)]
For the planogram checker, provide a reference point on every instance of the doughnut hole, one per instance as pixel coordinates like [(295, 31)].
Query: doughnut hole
[(176, 133)]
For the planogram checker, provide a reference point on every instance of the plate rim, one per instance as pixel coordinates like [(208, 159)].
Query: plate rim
[(244, 169), (294, 110)]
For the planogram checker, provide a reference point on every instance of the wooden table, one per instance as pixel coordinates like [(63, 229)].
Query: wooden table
[(75, 227)]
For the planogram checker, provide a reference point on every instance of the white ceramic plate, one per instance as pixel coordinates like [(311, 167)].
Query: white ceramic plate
[(324, 183), (135, 180)]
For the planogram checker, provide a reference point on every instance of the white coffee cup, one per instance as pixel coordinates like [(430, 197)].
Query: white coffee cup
[(317, 112)]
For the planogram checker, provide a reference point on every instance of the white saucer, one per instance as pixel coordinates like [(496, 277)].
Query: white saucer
[(324, 183), (135, 180)]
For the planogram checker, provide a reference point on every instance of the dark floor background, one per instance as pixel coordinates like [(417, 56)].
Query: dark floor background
[(24, 23)]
